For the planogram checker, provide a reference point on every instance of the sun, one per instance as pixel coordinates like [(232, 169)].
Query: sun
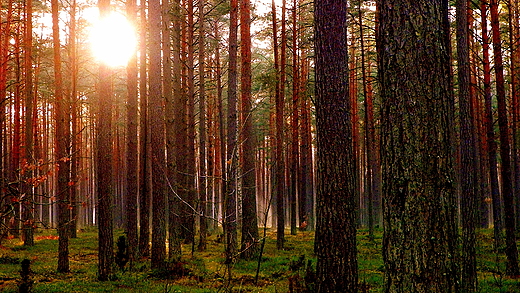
[(113, 40)]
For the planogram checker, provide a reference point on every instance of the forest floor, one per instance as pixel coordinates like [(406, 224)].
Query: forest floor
[(290, 270)]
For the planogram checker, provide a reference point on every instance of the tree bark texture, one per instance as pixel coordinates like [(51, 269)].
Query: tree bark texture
[(335, 243), (468, 152), (505, 147), (62, 143), (249, 243), (419, 243)]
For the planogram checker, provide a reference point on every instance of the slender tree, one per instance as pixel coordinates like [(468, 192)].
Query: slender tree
[(29, 159), (248, 141), (132, 143), (230, 196), (279, 167), (335, 243), (188, 217), (295, 156), (144, 141), (468, 169), (62, 143), (490, 132), (203, 126), (420, 235), (512, 268)]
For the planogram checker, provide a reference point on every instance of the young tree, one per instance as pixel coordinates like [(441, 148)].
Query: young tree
[(420, 231), (335, 243)]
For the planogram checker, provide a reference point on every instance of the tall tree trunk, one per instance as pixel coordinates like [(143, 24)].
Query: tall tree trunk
[(144, 142), (248, 141), (420, 231), (176, 138), (307, 177), (132, 143), (230, 196), (157, 128), (505, 147), (514, 40), (62, 141), (76, 132), (188, 218), (468, 153), (203, 128), (295, 156), (369, 132), (489, 124), (279, 167), (29, 159), (335, 243), (221, 145), (105, 189), (16, 140)]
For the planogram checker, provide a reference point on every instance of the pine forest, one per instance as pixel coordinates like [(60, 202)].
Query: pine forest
[(259, 146)]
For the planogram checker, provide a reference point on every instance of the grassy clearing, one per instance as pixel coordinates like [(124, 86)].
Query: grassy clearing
[(205, 271)]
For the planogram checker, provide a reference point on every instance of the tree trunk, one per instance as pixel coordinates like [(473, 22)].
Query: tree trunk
[(144, 143), (489, 124), (203, 128), (420, 231), (248, 142), (335, 243), (279, 167), (295, 156), (230, 195), (29, 159), (76, 132), (505, 147), (369, 132), (188, 218), (157, 128), (468, 169), (307, 177), (105, 191), (62, 141), (176, 138), (132, 144)]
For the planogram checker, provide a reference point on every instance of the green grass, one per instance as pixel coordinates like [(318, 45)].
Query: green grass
[(207, 273)]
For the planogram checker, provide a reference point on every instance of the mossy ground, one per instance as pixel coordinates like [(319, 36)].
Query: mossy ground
[(206, 272)]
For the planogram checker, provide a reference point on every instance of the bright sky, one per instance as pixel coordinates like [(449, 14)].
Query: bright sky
[(113, 40)]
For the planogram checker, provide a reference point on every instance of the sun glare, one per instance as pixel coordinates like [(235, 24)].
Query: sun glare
[(113, 40)]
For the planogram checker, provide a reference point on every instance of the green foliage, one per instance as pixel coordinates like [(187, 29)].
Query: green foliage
[(290, 270)]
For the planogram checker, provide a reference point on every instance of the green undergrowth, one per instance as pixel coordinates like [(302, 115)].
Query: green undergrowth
[(289, 270)]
